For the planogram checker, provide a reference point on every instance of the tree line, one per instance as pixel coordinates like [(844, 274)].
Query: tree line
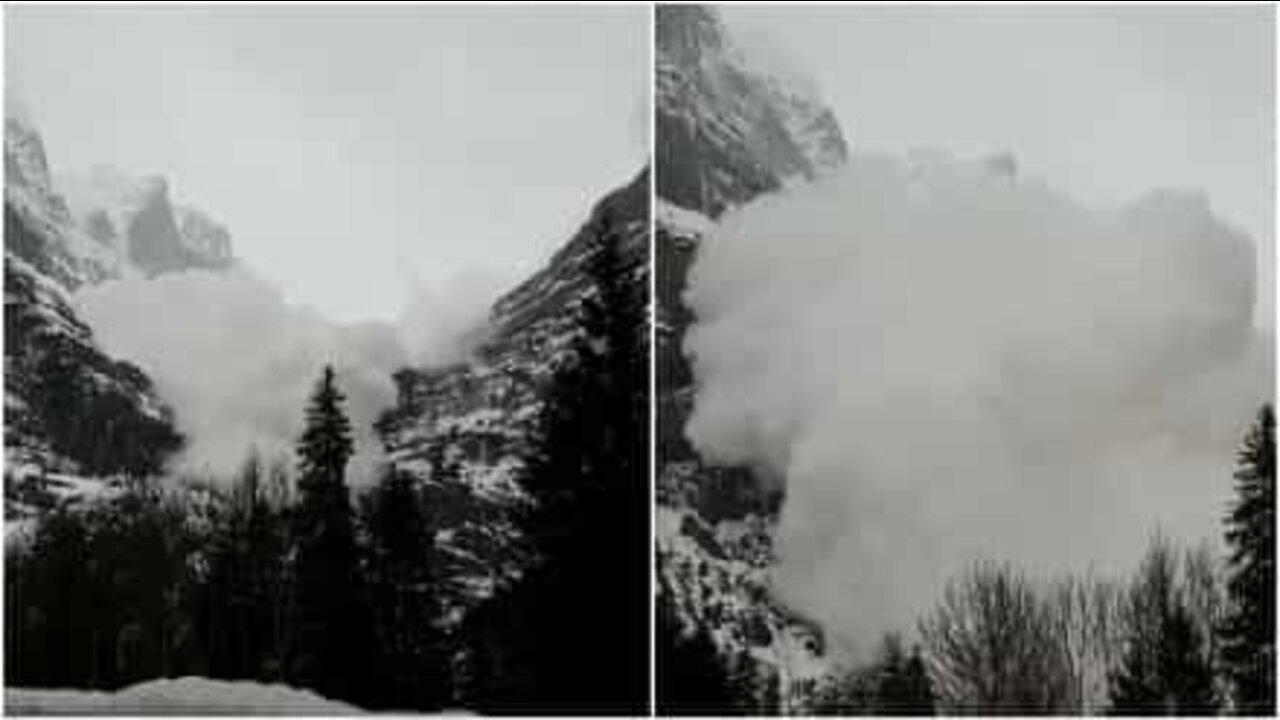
[(276, 578), (285, 577), (1187, 632)]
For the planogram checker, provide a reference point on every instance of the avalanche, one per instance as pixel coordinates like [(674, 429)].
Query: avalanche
[(947, 361)]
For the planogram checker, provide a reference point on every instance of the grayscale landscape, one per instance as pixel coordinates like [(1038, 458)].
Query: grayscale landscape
[(325, 360), (965, 324)]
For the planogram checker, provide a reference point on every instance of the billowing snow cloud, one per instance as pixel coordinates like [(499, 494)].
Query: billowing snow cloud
[(443, 323), (238, 363), (946, 362)]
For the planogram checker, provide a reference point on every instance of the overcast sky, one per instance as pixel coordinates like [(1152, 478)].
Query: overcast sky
[(352, 152), (1104, 103)]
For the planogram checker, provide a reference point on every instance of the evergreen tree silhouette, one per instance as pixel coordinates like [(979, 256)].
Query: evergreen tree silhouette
[(332, 648), (918, 688), (572, 635), (902, 683), (411, 653), (239, 613), (98, 598), (1248, 631)]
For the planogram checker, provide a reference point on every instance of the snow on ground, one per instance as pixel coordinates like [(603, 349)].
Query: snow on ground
[(186, 695)]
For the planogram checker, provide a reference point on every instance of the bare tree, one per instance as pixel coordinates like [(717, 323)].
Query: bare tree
[(1166, 667), (1084, 620), (994, 646), (998, 642), (1202, 577)]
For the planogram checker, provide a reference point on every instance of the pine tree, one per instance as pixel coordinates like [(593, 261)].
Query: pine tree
[(411, 653), (224, 612), (902, 683), (593, 445), (572, 634), (97, 600), (332, 646), (49, 589), (279, 567), (1248, 632), (326, 446), (891, 682), (1185, 663), (239, 613), (918, 688)]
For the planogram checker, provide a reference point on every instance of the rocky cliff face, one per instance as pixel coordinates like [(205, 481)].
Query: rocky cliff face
[(137, 220), (52, 245), (728, 130), (71, 410), (487, 406)]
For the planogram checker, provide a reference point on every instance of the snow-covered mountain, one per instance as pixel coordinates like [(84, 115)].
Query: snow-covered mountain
[(54, 245), (486, 406), (66, 232), (136, 219), (56, 373), (730, 127)]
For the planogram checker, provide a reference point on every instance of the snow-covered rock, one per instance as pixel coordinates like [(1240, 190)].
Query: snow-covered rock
[(732, 125), (52, 244), (48, 347), (136, 219), (486, 407)]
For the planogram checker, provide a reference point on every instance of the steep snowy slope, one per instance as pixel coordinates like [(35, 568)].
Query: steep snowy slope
[(729, 129), (486, 407)]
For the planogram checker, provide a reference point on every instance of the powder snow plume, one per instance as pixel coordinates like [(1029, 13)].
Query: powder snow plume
[(946, 362), (238, 363)]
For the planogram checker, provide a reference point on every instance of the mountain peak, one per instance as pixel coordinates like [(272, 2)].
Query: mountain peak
[(102, 223), (734, 123), (137, 216)]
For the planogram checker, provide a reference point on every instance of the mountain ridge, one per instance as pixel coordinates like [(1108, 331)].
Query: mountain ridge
[(486, 406), (58, 377)]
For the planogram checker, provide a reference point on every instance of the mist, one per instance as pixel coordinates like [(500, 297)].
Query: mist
[(944, 361), (237, 362), (443, 323)]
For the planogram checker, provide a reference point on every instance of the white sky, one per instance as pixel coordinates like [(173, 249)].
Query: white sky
[(1104, 103), (357, 155)]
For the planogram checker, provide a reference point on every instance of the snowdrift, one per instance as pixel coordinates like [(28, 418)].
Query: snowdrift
[(187, 695)]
